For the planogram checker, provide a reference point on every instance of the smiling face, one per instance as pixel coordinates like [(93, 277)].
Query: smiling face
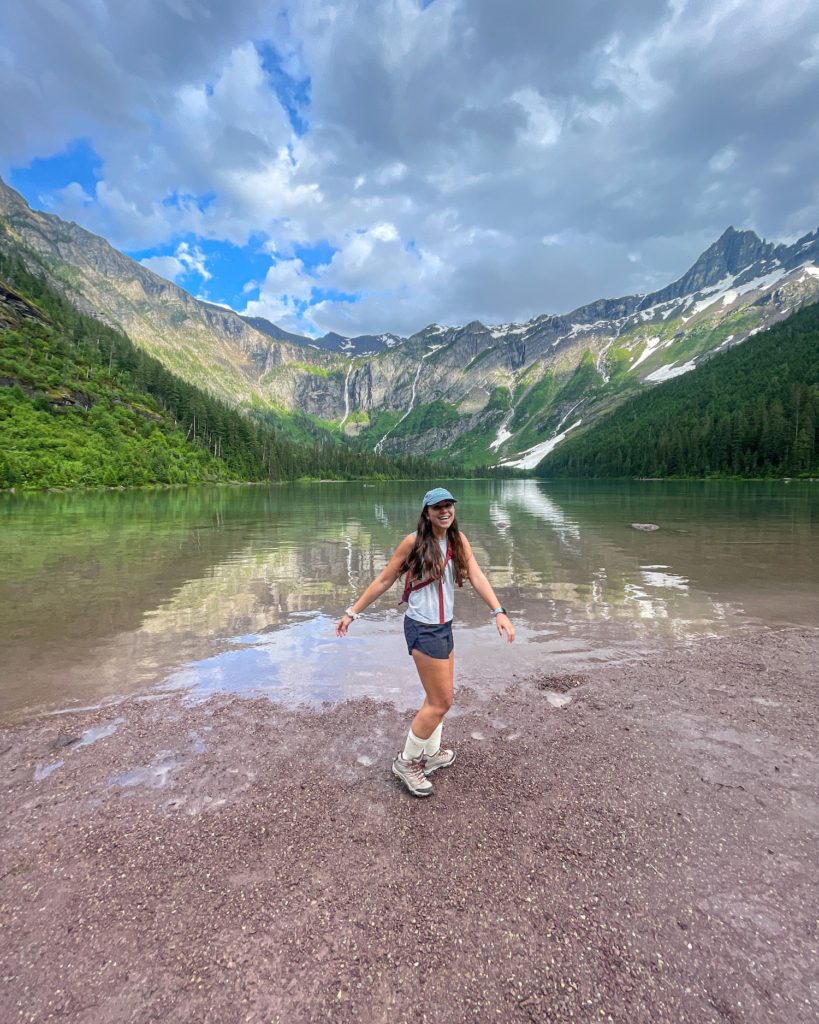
[(441, 516)]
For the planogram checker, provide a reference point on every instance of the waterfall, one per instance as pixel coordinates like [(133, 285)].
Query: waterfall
[(346, 395), (380, 444)]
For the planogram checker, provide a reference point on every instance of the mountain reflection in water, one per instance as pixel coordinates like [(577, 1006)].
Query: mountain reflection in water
[(238, 589)]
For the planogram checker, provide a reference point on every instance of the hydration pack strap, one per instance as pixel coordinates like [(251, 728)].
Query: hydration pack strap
[(409, 588)]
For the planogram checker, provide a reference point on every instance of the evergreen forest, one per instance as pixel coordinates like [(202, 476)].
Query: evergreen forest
[(82, 406), (752, 411)]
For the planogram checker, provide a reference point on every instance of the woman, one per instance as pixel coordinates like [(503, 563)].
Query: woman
[(434, 558)]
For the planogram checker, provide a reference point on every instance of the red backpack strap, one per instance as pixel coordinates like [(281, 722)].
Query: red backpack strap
[(409, 588)]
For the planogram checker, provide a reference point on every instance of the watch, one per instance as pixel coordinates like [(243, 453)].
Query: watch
[(353, 615), (500, 610)]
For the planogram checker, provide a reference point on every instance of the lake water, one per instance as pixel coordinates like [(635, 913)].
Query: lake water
[(238, 588)]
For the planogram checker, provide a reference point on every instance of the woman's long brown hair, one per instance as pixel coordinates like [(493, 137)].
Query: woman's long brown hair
[(425, 561)]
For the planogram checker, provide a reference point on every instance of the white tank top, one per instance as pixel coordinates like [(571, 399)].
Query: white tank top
[(434, 604)]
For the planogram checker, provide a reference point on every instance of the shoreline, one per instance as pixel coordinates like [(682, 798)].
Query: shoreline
[(636, 843), (517, 475)]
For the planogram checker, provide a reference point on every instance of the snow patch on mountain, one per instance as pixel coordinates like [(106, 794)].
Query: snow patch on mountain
[(764, 281), (726, 343), (652, 345), (532, 456), (503, 330), (669, 371), (728, 291), (503, 433)]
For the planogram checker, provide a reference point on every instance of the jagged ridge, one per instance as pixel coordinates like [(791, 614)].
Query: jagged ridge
[(508, 391)]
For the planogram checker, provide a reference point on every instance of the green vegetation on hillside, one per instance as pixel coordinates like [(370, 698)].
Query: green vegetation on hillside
[(540, 410), (425, 416), (68, 418), (751, 411), (583, 383), (534, 401), (381, 422), (81, 406), (479, 358), (472, 447), (300, 428)]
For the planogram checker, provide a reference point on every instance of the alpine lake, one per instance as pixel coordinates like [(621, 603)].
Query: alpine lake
[(238, 589)]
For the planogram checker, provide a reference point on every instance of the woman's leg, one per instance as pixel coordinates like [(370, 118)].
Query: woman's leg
[(438, 679)]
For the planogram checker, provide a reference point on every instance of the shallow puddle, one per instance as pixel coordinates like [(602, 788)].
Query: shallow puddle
[(43, 771), (153, 776)]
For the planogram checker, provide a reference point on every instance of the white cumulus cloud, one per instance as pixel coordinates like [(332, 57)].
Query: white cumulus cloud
[(189, 259), (459, 159)]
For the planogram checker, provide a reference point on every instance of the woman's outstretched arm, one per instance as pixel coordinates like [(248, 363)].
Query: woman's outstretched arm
[(380, 585), (483, 588)]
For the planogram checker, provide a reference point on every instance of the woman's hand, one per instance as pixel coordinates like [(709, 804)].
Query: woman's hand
[(343, 625), (504, 624), (484, 589), (380, 585)]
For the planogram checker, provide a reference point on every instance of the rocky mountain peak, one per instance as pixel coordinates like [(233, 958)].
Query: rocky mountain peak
[(475, 327), (732, 252), (507, 389)]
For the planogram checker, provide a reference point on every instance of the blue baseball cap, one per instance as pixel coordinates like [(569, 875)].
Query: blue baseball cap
[(435, 495)]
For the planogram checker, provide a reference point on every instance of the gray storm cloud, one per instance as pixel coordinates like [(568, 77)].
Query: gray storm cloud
[(464, 159)]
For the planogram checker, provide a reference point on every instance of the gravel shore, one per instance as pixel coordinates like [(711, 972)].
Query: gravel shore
[(637, 844)]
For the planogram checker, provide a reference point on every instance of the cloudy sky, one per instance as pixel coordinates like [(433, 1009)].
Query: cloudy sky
[(379, 165)]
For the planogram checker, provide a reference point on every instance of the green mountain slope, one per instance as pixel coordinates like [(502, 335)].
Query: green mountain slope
[(751, 411), (69, 418), (81, 406), (500, 394)]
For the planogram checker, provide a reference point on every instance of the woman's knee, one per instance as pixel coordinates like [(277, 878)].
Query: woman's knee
[(441, 703)]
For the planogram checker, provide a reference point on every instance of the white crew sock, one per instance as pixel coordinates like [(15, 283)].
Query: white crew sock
[(414, 747), (433, 744)]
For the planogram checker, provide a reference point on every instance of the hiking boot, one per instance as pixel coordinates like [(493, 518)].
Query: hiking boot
[(443, 759), (411, 773)]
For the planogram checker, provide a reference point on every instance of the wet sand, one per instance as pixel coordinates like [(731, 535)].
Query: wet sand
[(643, 852)]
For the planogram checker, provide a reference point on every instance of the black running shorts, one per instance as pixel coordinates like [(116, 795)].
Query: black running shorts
[(436, 641)]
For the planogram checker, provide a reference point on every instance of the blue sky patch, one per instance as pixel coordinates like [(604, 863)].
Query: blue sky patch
[(293, 93), (333, 295), (231, 268), (182, 199), (77, 162), (316, 255)]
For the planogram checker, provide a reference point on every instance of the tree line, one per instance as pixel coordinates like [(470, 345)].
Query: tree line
[(82, 405), (752, 411)]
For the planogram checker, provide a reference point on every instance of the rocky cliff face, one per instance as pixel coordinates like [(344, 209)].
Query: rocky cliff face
[(515, 388), (731, 253), (484, 393), (15, 310), (206, 344)]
